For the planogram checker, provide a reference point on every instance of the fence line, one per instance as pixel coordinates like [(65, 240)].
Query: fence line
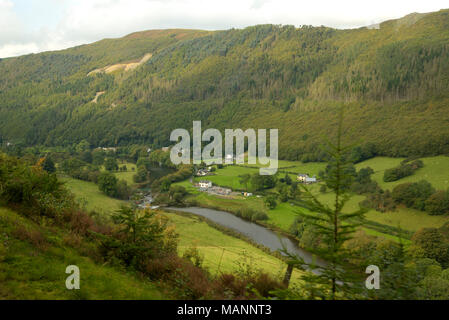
[(242, 253)]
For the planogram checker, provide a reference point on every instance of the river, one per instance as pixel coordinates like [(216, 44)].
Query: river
[(259, 234)]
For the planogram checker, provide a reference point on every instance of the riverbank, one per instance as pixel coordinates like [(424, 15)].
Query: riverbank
[(224, 251), (252, 232)]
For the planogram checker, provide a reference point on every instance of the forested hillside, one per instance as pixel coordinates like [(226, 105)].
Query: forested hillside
[(393, 81)]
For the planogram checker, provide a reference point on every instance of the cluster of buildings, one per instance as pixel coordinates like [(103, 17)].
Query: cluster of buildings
[(207, 186), (306, 179), (204, 184), (106, 149), (203, 172)]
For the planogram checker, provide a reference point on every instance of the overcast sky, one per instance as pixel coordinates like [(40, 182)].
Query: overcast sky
[(30, 26)]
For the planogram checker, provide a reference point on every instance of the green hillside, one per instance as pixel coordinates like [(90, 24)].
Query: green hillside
[(393, 82), (33, 268)]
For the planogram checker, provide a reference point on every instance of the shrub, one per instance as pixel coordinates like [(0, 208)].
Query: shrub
[(438, 203), (111, 164), (193, 255), (251, 215), (190, 282), (413, 195), (381, 201), (404, 170), (270, 202), (260, 216), (32, 236), (432, 241), (107, 183)]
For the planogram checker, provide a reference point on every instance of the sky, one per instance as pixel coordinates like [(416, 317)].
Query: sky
[(31, 26)]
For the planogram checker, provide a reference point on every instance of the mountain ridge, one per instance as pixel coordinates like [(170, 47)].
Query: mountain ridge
[(393, 83)]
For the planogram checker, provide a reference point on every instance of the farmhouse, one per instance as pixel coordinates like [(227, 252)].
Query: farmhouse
[(306, 179), (311, 180), (203, 172), (204, 184), (107, 149)]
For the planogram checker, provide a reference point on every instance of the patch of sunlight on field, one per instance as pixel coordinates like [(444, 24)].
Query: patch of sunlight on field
[(128, 175), (408, 219), (436, 171), (88, 193), (386, 236), (229, 176)]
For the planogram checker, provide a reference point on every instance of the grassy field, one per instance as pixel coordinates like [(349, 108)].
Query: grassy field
[(223, 253), (311, 168), (128, 175), (408, 219), (436, 171), (28, 272), (94, 199), (229, 176)]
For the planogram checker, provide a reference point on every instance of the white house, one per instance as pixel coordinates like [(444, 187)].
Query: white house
[(205, 184), (311, 180), (305, 178)]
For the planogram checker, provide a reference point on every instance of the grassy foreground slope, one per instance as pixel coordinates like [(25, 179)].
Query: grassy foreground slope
[(33, 261)]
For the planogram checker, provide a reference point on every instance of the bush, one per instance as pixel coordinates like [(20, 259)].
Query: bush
[(251, 215), (271, 202), (404, 170), (111, 164), (189, 281), (32, 188), (107, 183), (32, 236), (123, 191), (438, 203), (381, 201), (260, 216), (432, 241), (413, 195)]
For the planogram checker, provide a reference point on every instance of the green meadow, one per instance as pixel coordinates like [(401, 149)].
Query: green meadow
[(128, 175), (436, 171), (89, 195), (223, 253), (229, 176)]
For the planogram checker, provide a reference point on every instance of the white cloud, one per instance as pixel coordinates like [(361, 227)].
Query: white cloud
[(85, 21)]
